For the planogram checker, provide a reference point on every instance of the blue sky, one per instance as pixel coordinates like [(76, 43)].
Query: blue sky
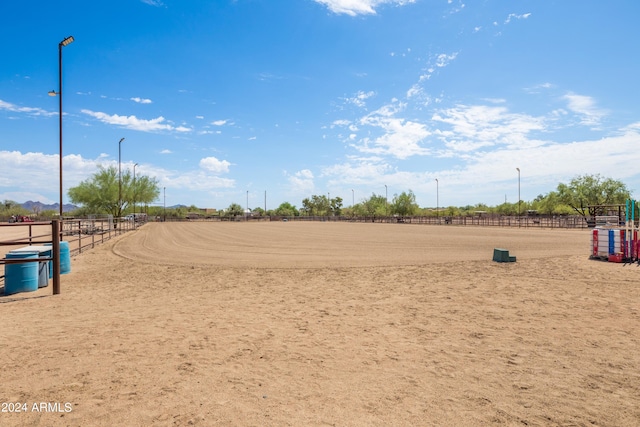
[(337, 97)]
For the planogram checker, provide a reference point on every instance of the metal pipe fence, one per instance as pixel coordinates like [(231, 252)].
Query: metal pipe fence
[(470, 220), (81, 234)]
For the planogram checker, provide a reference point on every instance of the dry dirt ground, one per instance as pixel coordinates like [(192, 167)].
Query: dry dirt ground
[(312, 324)]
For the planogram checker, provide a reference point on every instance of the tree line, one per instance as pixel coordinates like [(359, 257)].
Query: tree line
[(585, 195), (105, 193)]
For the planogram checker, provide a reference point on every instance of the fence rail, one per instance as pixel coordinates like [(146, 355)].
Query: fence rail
[(80, 234), (540, 221)]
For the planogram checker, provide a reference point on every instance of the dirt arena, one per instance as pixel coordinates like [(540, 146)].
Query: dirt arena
[(313, 324)]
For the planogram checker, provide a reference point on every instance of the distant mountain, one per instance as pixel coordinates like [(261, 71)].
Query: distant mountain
[(39, 207)]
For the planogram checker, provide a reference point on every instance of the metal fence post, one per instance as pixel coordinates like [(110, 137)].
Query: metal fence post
[(55, 254)]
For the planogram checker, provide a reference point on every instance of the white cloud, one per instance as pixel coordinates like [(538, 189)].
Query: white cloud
[(341, 122), (516, 16), (197, 181), (301, 182), (358, 171), (165, 151), (219, 122), (141, 100), (549, 163), (214, 165), (415, 90), (42, 167), (477, 126), (443, 59), (134, 123), (156, 3), (359, 7), (26, 110), (440, 61), (400, 137), (584, 106), (359, 98)]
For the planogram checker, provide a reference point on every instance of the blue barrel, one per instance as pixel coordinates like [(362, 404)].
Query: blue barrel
[(21, 277), (65, 258)]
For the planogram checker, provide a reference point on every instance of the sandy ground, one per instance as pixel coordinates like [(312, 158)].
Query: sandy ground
[(311, 324)]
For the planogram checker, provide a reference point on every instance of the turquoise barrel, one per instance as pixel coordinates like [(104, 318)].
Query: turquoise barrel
[(65, 258), (21, 277)]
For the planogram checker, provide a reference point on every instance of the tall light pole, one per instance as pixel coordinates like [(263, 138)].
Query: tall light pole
[(164, 204), (246, 215), (386, 210), (120, 178), (437, 202), (518, 169), (134, 192), (63, 43)]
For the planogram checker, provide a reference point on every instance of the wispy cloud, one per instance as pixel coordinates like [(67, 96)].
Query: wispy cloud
[(360, 98), (141, 100), (516, 16), (585, 106), (301, 182), (157, 3), (134, 123), (33, 111), (358, 170), (359, 7), (440, 61)]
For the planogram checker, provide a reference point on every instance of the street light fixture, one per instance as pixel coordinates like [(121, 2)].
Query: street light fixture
[(134, 192), (64, 42), (120, 178), (518, 169)]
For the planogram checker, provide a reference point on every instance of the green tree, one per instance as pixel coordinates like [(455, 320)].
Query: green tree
[(404, 204), (375, 205), (317, 205), (335, 206), (234, 209), (100, 193), (548, 204), (9, 207), (505, 209), (584, 193), (286, 209)]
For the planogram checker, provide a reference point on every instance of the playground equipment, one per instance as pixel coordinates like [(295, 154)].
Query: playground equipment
[(615, 243)]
